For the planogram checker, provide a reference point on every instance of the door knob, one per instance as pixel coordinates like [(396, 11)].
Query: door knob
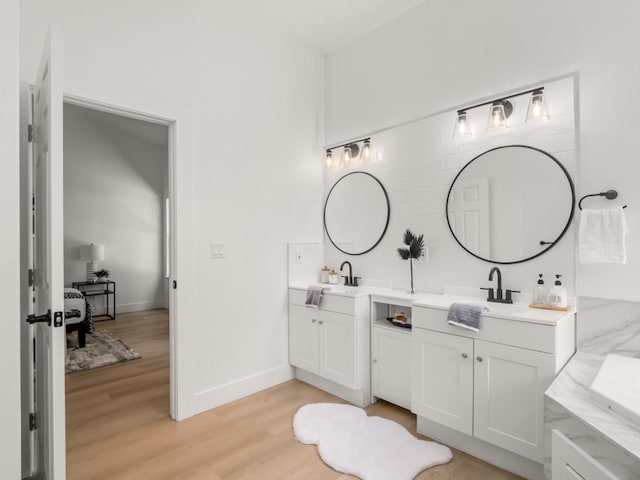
[(313, 320), (479, 359), (321, 322), (464, 355)]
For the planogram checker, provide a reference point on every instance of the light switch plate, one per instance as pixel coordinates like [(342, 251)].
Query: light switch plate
[(218, 250)]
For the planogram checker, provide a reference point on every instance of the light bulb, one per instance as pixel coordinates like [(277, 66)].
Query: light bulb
[(537, 107), (366, 152), (346, 156), (329, 160), (461, 126)]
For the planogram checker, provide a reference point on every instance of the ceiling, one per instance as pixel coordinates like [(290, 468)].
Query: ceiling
[(328, 25)]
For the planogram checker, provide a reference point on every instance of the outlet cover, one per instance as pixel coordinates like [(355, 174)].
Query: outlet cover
[(218, 250)]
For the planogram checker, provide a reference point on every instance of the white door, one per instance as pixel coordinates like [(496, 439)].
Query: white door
[(337, 333), (509, 393), (468, 213), (442, 387), (303, 337), (49, 337), (391, 366)]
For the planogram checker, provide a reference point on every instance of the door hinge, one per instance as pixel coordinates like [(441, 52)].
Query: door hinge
[(30, 132), (175, 284), (31, 277), (33, 422)]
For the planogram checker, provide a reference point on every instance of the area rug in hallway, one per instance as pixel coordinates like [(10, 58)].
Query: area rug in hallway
[(103, 348), (371, 448)]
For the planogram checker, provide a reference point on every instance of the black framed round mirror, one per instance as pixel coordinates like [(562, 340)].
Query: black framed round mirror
[(510, 204), (356, 213)]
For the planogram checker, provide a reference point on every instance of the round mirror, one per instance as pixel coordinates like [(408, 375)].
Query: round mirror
[(356, 213), (510, 204)]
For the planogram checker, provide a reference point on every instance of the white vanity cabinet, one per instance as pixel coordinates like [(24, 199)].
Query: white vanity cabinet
[(391, 365), (330, 345), (391, 362), (490, 384)]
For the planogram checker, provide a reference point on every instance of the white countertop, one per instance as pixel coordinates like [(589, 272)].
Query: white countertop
[(570, 390), (517, 311)]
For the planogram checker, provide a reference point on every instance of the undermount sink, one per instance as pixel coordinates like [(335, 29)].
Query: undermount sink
[(617, 387), (504, 308)]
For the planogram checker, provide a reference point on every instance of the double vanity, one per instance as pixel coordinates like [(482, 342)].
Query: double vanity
[(480, 392)]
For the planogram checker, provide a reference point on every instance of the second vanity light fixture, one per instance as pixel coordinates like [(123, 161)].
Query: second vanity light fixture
[(352, 154), (501, 109)]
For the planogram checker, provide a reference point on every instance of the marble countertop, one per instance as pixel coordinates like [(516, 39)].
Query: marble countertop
[(570, 390), (517, 311)]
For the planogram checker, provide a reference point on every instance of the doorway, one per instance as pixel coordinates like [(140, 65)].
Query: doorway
[(116, 209)]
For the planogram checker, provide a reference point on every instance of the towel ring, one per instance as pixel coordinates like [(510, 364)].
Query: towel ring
[(609, 194)]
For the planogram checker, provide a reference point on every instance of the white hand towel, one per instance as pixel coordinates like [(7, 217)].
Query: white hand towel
[(601, 238)]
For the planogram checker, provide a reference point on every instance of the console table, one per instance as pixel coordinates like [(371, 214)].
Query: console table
[(94, 289)]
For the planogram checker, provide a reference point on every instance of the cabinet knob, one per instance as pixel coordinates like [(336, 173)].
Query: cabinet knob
[(479, 359), (321, 322), (314, 320), (464, 355)]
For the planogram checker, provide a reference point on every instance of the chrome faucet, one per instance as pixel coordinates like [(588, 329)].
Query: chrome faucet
[(498, 295), (349, 280)]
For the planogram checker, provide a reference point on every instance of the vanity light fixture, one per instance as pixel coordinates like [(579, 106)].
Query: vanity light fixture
[(352, 153), (500, 111), (537, 107)]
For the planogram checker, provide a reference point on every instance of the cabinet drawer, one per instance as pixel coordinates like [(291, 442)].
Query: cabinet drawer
[(329, 302), (533, 336)]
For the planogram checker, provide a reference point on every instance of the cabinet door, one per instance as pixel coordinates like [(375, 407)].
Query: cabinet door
[(391, 364), (303, 337), (570, 462), (337, 359), (508, 400), (442, 386)]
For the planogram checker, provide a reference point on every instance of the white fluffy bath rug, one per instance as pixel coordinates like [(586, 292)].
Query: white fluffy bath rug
[(371, 448)]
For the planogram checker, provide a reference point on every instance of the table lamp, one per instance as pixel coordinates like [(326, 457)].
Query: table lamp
[(92, 254)]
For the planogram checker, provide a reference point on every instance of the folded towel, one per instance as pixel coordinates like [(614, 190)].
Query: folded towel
[(314, 294), (601, 237), (466, 315)]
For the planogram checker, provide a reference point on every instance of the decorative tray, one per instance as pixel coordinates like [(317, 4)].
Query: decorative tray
[(397, 323)]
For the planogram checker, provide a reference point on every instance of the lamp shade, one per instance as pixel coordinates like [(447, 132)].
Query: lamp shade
[(92, 253)]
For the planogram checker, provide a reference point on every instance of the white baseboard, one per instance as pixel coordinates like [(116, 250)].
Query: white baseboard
[(216, 396), (129, 307), (479, 448), (360, 398)]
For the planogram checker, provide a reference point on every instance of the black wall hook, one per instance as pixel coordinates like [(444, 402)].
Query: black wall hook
[(609, 194)]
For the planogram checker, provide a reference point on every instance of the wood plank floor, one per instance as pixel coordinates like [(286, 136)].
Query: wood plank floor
[(118, 424)]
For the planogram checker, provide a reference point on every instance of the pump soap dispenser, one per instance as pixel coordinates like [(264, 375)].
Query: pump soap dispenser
[(558, 294), (540, 292)]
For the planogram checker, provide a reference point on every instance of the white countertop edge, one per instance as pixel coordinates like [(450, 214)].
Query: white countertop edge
[(442, 302)]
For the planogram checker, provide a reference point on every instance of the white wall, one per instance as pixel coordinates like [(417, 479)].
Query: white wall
[(250, 102), (114, 185), (9, 242), (444, 54), (419, 162)]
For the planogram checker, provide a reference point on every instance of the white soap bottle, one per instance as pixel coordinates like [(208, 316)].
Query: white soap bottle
[(558, 294), (540, 292)]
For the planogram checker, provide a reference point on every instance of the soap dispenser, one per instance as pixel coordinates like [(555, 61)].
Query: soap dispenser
[(558, 294), (540, 292)]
